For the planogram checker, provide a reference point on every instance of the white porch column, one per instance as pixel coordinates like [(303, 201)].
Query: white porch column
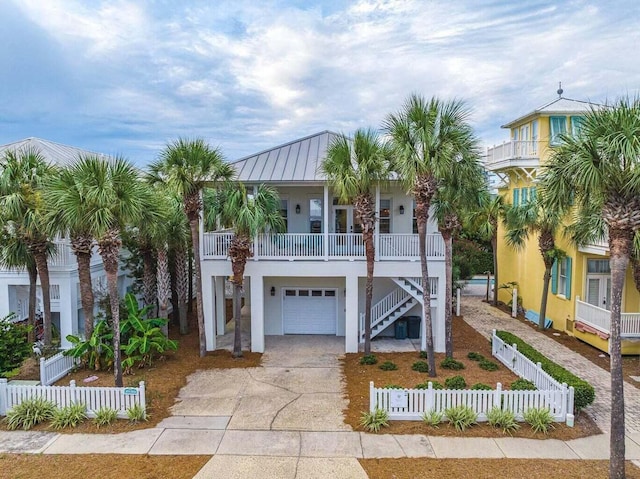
[(4, 299), (257, 314), (221, 309), (68, 310), (376, 238), (208, 310), (351, 315), (325, 222)]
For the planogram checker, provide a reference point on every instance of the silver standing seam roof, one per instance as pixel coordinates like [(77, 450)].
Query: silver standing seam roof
[(561, 106), (55, 153), (296, 161)]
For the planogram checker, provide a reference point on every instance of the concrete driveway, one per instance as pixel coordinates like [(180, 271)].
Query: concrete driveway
[(298, 388)]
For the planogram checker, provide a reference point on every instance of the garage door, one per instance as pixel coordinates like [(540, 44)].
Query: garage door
[(309, 311)]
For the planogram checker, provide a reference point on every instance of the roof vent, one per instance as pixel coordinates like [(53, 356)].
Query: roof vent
[(560, 90)]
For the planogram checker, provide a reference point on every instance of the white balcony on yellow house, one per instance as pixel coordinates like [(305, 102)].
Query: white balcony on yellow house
[(513, 154), (593, 325)]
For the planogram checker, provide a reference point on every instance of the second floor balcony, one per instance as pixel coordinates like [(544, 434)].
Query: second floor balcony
[(514, 154), (325, 246)]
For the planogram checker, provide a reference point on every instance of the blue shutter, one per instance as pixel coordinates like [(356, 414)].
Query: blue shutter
[(516, 197), (554, 277), (567, 286), (532, 194), (525, 195)]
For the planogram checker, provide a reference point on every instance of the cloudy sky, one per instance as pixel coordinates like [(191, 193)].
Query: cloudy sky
[(127, 76)]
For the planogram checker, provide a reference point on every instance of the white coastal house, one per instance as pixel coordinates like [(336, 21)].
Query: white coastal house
[(66, 309), (311, 279)]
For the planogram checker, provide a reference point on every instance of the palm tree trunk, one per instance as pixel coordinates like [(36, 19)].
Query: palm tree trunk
[(545, 294), (448, 295), (190, 282), (33, 278), (422, 217), (370, 252), (182, 287), (494, 250), (149, 281), (194, 224), (163, 286), (40, 257), (239, 252), (620, 242), (237, 330), (81, 246)]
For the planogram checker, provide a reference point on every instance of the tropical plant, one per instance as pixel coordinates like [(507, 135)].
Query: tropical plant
[(488, 365), (137, 413), (187, 167), (522, 384), (598, 174), (374, 420), (450, 363), (461, 417), (455, 382), (481, 387), (475, 356), (14, 344), (539, 217), (22, 175), (388, 366), (105, 416), (503, 419), (96, 352), (30, 412), (540, 420), (69, 416), (428, 138), (248, 215), (433, 418), (420, 366), (354, 169), (368, 359)]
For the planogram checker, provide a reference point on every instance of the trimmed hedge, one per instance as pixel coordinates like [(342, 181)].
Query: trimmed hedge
[(584, 393)]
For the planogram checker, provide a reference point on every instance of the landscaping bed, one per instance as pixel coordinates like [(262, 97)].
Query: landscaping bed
[(466, 340)]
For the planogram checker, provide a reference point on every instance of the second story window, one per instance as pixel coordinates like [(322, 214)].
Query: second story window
[(576, 125), (284, 212), (557, 126), (315, 215), (384, 225), (415, 218)]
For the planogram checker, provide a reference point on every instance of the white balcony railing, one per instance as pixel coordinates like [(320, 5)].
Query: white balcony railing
[(600, 319), (511, 150), (309, 246)]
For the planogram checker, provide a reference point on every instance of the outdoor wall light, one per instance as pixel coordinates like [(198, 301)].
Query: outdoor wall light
[(297, 209), (401, 209), (273, 290)]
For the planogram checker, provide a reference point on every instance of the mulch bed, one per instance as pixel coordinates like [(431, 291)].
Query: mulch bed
[(465, 340)]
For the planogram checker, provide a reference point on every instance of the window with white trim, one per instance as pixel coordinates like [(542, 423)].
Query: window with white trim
[(384, 221), (557, 126)]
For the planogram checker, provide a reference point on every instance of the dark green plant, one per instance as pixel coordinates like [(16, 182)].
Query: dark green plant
[(455, 382), (461, 417), (373, 421), (69, 416), (540, 420), (475, 356), (584, 393), (488, 365), (14, 344), (95, 353), (423, 355), (29, 413), (105, 416), (392, 386), (425, 385), (521, 384), (503, 419), (450, 363), (471, 257), (388, 366), (420, 366), (481, 387), (368, 359)]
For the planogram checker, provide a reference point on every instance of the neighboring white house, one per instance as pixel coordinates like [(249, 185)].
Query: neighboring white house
[(311, 279), (66, 308)]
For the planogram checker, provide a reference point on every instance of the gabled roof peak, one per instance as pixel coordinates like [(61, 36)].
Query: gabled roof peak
[(560, 106), (52, 151)]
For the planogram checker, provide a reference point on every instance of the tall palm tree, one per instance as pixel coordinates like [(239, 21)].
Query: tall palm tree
[(248, 215), (537, 217), (428, 138), (484, 221), (598, 174), (115, 198), (354, 169), (22, 174), (188, 166)]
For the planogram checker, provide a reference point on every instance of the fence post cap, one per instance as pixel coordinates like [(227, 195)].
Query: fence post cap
[(41, 360), (3, 380), (499, 386), (539, 365), (370, 383), (72, 383), (141, 384), (429, 385)]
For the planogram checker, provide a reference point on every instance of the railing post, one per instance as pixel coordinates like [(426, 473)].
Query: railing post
[(570, 397), (44, 380), (4, 390), (514, 302), (72, 392), (457, 301), (494, 345), (538, 372), (372, 402), (429, 403), (497, 397), (142, 397)]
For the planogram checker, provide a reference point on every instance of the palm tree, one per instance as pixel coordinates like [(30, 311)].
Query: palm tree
[(115, 197), (22, 174), (484, 221), (428, 138), (540, 218), (248, 215), (188, 166), (598, 174), (354, 169)]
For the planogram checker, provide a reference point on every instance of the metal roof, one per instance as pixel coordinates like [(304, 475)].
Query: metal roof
[(51, 151), (296, 161), (561, 106)]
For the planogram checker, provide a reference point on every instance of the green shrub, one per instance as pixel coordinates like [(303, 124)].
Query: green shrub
[(425, 385), (475, 356), (423, 355), (450, 363), (455, 382), (388, 366), (584, 393), (488, 365), (69, 416), (481, 387), (522, 385), (14, 345), (105, 416), (420, 366), (540, 420), (29, 413), (471, 257), (368, 359), (433, 418), (373, 421), (503, 419), (392, 386), (461, 417), (136, 413)]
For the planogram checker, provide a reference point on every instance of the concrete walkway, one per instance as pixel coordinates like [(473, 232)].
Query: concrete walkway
[(485, 318)]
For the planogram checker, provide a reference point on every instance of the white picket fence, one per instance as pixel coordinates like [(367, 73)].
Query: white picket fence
[(55, 367), (93, 398), (411, 404)]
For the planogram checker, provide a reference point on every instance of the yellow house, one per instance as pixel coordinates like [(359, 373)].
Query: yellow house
[(580, 287)]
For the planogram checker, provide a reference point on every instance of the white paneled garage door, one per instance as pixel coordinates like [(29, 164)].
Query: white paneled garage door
[(309, 310)]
